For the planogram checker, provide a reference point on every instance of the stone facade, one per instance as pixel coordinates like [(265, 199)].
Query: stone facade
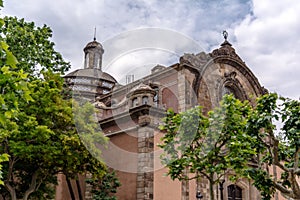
[(130, 115)]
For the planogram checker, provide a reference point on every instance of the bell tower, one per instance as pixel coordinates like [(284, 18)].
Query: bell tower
[(93, 52)]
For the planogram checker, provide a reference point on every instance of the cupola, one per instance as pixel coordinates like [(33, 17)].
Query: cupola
[(93, 52)]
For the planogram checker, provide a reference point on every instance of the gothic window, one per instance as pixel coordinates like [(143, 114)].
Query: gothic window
[(134, 102), (234, 192), (145, 100)]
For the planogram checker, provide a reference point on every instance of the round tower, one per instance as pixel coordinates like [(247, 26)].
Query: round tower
[(93, 52)]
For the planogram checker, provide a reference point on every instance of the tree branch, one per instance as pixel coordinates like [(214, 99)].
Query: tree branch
[(275, 155), (294, 185), (32, 186), (11, 190), (294, 193), (204, 174), (282, 189)]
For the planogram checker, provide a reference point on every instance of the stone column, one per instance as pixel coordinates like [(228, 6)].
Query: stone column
[(145, 161), (182, 107)]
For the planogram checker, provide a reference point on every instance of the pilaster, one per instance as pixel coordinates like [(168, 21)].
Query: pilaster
[(145, 161)]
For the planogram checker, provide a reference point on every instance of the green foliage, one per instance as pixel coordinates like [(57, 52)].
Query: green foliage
[(38, 133), (13, 87), (32, 47), (104, 188), (207, 145), (278, 147), (3, 157), (231, 137), (44, 140)]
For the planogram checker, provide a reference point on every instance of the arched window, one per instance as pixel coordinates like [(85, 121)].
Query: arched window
[(135, 102), (145, 100), (234, 192), (228, 90)]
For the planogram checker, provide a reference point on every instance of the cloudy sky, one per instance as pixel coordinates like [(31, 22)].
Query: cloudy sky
[(265, 33)]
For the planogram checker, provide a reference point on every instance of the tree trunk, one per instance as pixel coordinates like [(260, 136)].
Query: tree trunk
[(70, 188), (11, 191), (79, 188), (32, 186), (211, 186), (13, 195)]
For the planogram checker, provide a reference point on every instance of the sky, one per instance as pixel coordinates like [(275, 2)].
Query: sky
[(137, 35)]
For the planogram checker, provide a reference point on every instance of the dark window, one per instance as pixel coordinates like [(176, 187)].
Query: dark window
[(145, 100), (234, 192), (134, 102)]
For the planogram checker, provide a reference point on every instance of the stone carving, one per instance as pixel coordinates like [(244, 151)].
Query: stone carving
[(230, 75), (225, 50), (197, 60)]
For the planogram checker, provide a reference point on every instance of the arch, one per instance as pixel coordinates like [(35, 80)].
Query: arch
[(145, 100), (169, 99), (234, 192), (134, 102), (238, 66), (229, 84)]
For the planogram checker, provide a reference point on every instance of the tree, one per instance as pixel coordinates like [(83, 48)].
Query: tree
[(45, 141), (32, 47), (104, 188), (37, 124), (206, 146), (9, 80), (274, 146), (232, 136)]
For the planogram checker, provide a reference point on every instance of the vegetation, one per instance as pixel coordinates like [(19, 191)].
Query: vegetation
[(38, 126), (32, 46), (103, 189), (280, 148), (236, 137)]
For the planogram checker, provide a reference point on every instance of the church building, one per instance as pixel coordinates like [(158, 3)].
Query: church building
[(130, 115)]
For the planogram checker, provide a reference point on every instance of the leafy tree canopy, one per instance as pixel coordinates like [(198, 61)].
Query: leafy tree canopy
[(236, 137), (32, 47), (105, 188), (38, 133)]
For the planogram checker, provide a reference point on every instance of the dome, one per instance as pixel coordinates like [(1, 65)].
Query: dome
[(91, 73), (93, 44)]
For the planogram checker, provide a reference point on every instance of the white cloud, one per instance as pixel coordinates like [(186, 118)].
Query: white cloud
[(264, 33), (269, 42)]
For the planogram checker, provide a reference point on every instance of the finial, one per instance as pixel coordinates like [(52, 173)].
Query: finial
[(95, 33), (225, 34)]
